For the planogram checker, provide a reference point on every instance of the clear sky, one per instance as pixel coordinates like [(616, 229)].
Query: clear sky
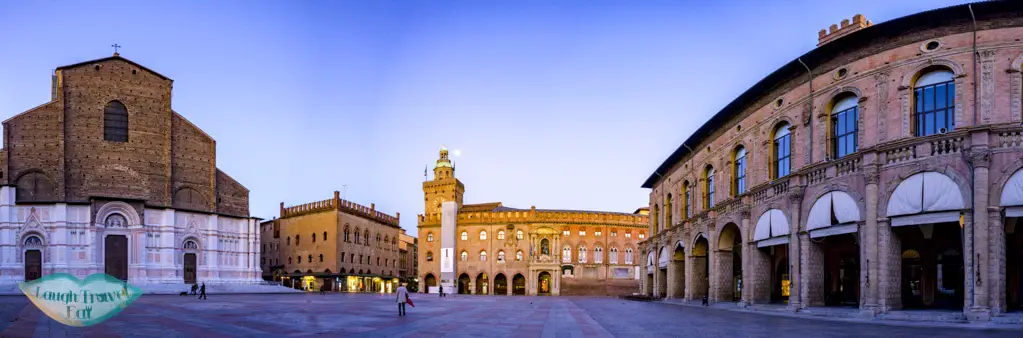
[(558, 104)]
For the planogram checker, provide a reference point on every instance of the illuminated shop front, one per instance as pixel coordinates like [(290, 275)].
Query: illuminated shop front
[(368, 284)]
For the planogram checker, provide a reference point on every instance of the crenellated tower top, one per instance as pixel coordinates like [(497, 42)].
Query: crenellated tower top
[(834, 32)]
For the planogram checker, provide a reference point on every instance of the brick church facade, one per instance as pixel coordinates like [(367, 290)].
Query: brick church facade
[(880, 171), (107, 178)]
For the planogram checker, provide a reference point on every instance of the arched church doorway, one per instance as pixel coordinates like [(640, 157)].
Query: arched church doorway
[(543, 286), (33, 246), (190, 248), (519, 285), (500, 284), (115, 254)]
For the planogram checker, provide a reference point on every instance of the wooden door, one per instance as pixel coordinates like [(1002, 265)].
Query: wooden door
[(116, 256), (189, 268), (33, 265)]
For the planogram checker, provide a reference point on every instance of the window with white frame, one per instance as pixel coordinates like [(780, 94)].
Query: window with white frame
[(483, 235), (566, 255), (582, 254), (628, 256), (598, 255), (612, 256), (465, 236)]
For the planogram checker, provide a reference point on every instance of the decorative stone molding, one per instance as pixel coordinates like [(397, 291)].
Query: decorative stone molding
[(796, 194), (979, 158), (987, 85), (881, 85)]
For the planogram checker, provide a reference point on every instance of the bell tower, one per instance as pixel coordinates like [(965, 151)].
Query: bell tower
[(444, 187)]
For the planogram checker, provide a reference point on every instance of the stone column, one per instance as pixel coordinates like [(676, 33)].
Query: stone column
[(687, 289), (747, 266), (996, 252), (672, 274), (812, 260), (981, 158), (870, 247), (796, 243), (889, 262)]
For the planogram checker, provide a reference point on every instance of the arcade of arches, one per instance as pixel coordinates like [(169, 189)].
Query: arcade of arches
[(920, 259)]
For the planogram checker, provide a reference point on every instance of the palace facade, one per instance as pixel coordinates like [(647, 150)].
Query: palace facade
[(492, 249), (106, 178), (335, 244), (879, 171)]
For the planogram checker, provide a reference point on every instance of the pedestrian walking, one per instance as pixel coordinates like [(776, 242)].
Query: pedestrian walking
[(202, 291), (441, 291), (402, 298), (323, 289)]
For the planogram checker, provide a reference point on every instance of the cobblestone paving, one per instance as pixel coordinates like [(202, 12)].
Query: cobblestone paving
[(374, 315)]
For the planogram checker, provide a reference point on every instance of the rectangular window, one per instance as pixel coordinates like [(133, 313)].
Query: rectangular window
[(566, 233), (628, 235), (844, 125), (614, 234), (582, 232), (597, 233), (710, 189), (689, 202), (935, 108)]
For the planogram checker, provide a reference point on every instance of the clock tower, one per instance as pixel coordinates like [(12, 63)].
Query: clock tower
[(444, 187)]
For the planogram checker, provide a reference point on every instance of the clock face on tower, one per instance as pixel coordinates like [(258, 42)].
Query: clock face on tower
[(436, 203)]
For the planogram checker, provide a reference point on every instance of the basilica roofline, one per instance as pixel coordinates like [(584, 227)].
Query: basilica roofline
[(114, 57), (341, 205)]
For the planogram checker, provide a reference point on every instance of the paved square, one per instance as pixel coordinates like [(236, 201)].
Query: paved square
[(375, 315)]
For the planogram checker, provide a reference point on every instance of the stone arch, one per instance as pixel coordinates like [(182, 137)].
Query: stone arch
[(34, 185), (1003, 179), (838, 92), (960, 181), (913, 74), (121, 208), (819, 191), (187, 197), (726, 236)]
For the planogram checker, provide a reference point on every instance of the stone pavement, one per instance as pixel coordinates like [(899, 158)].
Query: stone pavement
[(375, 315)]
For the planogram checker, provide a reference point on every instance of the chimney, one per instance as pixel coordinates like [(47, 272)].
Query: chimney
[(835, 31)]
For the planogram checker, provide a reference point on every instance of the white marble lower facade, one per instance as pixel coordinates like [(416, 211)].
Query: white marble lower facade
[(226, 248)]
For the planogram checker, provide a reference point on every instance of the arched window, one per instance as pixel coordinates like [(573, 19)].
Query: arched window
[(708, 178), (844, 132), (739, 173), (387, 241), (299, 259), (34, 241), (483, 256), (500, 256), (598, 255), (324, 235), (465, 236), (465, 256), (289, 260), (613, 255), (654, 214), (314, 237), (934, 102), (518, 255), (483, 235), (394, 243), (378, 240), (500, 235), (518, 234), (288, 242), (782, 151), (628, 256), (191, 245), (342, 257), (429, 237), (687, 194), (296, 239), (347, 239), (566, 254), (366, 237), (357, 232), (115, 122), (582, 254), (310, 259), (321, 258), (116, 221), (429, 256)]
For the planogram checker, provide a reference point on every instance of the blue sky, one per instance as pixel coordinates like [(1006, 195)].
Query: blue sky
[(557, 104)]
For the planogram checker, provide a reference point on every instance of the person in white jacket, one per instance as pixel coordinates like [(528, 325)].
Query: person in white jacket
[(402, 295)]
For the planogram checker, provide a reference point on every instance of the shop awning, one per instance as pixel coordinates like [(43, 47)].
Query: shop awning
[(1012, 195), (832, 214), (662, 262), (772, 224), (925, 198)]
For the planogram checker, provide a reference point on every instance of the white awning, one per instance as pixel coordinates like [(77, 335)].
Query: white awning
[(836, 203), (772, 223), (663, 261), (925, 192), (1012, 193), (650, 260)]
